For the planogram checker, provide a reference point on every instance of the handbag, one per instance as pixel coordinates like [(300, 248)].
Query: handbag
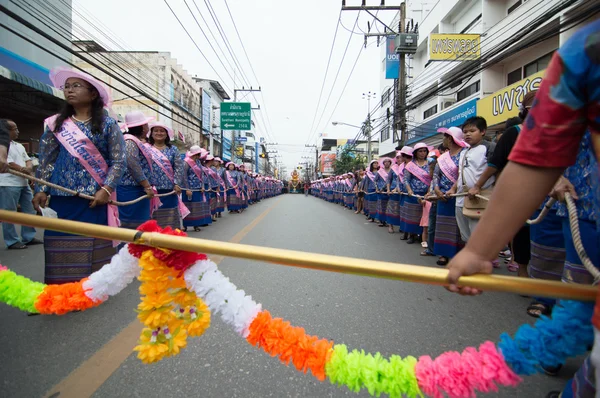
[(474, 208)]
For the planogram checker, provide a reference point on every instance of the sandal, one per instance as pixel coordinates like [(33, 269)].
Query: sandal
[(496, 264), (513, 267), (17, 246), (424, 245), (197, 229), (427, 252), (537, 309), (442, 261), (390, 230)]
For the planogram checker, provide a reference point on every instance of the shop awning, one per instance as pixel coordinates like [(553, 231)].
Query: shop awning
[(29, 82)]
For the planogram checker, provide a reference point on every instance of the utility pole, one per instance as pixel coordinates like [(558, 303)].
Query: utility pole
[(237, 134), (316, 157), (368, 127), (401, 86)]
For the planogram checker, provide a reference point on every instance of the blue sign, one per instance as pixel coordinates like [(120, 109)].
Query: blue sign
[(206, 102), (454, 117), (241, 139), (392, 60), (226, 149)]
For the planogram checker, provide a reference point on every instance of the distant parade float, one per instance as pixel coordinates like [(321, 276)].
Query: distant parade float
[(295, 186)]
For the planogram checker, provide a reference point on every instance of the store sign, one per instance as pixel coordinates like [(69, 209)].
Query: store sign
[(454, 117), (226, 149), (453, 47), (206, 103), (327, 162), (392, 59), (504, 104)]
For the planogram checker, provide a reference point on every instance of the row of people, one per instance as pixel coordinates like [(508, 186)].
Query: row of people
[(84, 149)]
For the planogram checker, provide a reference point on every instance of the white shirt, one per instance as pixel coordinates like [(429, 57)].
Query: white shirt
[(18, 155), (471, 165)]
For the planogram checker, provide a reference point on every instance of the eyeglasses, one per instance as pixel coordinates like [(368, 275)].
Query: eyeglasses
[(74, 86)]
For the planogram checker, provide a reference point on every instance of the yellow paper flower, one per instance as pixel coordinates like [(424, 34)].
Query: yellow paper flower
[(156, 318), (150, 352), (149, 288), (197, 327), (155, 301), (178, 341)]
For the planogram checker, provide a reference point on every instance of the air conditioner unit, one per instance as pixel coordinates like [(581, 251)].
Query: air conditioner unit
[(448, 102)]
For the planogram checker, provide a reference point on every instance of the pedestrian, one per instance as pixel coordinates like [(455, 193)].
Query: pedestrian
[(358, 189), (381, 179), (136, 178), (243, 183), (417, 180), (472, 164), (167, 176), (407, 157), (564, 109), (394, 180), (222, 197), (15, 191), (234, 195), (82, 127), (447, 240), (195, 198), (370, 189), (4, 146)]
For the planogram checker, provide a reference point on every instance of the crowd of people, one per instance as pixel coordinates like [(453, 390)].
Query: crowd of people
[(440, 196), (85, 150)]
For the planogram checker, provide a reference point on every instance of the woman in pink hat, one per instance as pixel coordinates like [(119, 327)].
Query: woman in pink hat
[(234, 193), (221, 200), (447, 241), (167, 175), (407, 157), (136, 180), (370, 189), (381, 182), (417, 180), (196, 200), (82, 149), (395, 185), (213, 184), (243, 183)]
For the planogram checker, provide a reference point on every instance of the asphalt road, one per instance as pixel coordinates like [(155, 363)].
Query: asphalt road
[(366, 313)]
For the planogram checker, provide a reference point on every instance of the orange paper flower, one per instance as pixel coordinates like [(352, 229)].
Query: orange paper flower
[(60, 299)]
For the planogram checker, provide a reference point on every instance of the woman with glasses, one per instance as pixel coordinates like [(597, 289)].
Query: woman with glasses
[(82, 149)]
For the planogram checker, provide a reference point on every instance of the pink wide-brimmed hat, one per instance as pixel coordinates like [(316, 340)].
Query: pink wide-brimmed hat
[(456, 133), (406, 151), (194, 150), (164, 126), (422, 145), (60, 74), (218, 159), (386, 159), (137, 118), (209, 157), (229, 163)]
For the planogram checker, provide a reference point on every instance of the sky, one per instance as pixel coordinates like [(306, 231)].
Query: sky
[(288, 43)]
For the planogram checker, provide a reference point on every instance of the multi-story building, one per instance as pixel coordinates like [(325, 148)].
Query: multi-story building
[(213, 94), (511, 42), (156, 85), (26, 57)]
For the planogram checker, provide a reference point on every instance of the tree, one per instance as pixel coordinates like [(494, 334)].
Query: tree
[(348, 161)]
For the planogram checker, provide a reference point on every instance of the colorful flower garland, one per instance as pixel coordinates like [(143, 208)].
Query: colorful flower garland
[(174, 278)]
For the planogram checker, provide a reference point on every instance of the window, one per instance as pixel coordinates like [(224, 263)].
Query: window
[(469, 26), (468, 91), (514, 7), (385, 97), (538, 65), (430, 112), (385, 133), (514, 77), (249, 135)]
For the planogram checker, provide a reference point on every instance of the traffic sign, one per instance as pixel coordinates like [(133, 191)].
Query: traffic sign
[(236, 116), (241, 139)]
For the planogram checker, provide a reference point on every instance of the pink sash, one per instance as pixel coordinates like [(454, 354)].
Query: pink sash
[(399, 170), (419, 173), (232, 183), (155, 202), (448, 167), (371, 175), (165, 164), (383, 173), (215, 176), (198, 171), (81, 148)]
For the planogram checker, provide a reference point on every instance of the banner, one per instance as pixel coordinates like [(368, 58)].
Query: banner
[(206, 102), (454, 47), (454, 117), (392, 59), (504, 104), (327, 162)]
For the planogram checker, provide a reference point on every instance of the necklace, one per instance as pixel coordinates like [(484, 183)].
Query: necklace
[(81, 121)]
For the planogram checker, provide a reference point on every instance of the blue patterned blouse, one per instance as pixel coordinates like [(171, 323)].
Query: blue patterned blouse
[(59, 167), (160, 179), (581, 176), (138, 168), (234, 177), (439, 178), (417, 186), (191, 181), (368, 184), (380, 182)]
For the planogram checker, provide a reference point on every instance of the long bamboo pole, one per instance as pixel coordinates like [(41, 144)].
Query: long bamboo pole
[(324, 262)]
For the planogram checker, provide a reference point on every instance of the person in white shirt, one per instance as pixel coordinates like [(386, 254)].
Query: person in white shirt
[(15, 191), (471, 166)]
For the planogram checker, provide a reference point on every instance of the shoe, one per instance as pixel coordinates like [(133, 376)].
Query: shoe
[(496, 264), (17, 246), (427, 252), (411, 240), (553, 394), (512, 267), (552, 371), (505, 253), (424, 245), (35, 241)]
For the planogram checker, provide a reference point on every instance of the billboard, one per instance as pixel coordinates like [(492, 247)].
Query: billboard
[(206, 104), (392, 59), (454, 117), (226, 149), (454, 47), (503, 104), (327, 162)]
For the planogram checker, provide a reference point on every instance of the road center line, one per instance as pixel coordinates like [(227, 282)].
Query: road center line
[(88, 377)]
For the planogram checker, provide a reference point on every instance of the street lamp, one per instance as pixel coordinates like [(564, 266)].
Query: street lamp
[(367, 129), (346, 124)]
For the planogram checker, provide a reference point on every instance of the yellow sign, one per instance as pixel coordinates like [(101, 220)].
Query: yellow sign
[(239, 150), (504, 104), (453, 47)]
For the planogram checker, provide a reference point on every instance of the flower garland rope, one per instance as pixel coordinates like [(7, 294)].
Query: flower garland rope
[(174, 283)]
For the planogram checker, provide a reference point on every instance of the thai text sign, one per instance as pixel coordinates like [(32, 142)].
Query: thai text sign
[(505, 103), (236, 116), (327, 162), (453, 47), (454, 117)]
